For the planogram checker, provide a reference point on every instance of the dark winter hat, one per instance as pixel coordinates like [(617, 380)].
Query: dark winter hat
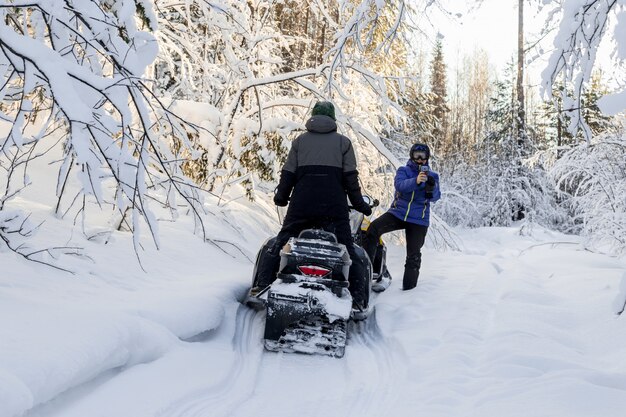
[(419, 147), (324, 108)]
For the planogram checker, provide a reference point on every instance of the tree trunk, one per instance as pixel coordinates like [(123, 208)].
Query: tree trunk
[(559, 131), (521, 116)]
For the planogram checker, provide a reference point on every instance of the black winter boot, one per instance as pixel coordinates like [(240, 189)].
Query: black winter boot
[(267, 269), (411, 272), (359, 278), (409, 280)]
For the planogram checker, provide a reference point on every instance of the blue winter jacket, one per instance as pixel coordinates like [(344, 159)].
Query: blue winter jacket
[(410, 203)]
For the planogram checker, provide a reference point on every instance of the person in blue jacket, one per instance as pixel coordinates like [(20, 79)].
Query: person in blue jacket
[(417, 187)]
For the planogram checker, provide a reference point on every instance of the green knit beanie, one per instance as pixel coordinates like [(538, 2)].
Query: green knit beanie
[(324, 108)]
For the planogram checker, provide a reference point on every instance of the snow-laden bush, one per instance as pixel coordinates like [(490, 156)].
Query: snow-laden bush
[(592, 181), (497, 195)]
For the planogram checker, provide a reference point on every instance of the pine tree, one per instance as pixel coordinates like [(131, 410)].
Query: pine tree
[(438, 96), (420, 122), (510, 187), (555, 118), (594, 118)]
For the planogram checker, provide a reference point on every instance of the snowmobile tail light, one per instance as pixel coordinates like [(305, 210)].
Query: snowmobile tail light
[(314, 271)]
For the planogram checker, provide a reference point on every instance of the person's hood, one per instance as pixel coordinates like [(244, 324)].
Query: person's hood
[(420, 147), (321, 124)]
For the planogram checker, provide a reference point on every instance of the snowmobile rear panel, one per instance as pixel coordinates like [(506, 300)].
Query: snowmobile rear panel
[(318, 252), (307, 317)]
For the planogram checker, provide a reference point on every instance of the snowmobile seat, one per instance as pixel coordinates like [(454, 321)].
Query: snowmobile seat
[(318, 234)]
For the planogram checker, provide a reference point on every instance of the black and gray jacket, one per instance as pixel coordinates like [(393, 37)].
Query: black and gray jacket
[(321, 171)]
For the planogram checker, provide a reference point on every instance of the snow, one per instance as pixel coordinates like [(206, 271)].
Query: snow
[(612, 104), (511, 325)]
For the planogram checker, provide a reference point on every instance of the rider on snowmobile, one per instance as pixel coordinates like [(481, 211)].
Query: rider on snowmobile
[(319, 173)]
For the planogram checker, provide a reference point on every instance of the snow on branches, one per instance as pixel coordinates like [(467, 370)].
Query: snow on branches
[(78, 66), (584, 24), (592, 181), (262, 65)]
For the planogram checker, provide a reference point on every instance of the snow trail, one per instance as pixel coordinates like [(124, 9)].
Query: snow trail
[(306, 385), (222, 397), (508, 328)]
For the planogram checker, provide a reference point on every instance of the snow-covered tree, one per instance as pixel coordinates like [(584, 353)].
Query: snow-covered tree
[(72, 71), (554, 121), (592, 180), (494, 185), (438, 90), (264, 67), (583, 25)]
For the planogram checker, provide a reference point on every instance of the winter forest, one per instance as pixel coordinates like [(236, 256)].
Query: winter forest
[(139, 119), (157, 106)]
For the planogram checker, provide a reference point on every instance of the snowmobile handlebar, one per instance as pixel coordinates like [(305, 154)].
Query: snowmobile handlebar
[(369, 201)]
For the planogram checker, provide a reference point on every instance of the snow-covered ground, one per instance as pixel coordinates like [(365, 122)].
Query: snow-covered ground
[(510, 326)]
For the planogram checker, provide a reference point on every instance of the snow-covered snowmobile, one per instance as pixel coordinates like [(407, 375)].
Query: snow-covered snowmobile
[(309, 304)]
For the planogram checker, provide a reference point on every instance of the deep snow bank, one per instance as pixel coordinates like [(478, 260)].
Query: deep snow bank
[(59, 330)]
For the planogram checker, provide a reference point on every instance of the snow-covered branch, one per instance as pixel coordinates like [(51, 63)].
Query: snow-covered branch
[(584, 24), (262, 65), (592, 180), (81, 65)]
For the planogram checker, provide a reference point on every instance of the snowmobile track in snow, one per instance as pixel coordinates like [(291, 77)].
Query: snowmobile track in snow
[(218, 399), (371, 365), (377, 362)]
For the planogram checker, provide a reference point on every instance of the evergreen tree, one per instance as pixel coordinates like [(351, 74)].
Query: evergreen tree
[(594, 118), (438, 96), (556, 119), (420, 121), (512, 189)]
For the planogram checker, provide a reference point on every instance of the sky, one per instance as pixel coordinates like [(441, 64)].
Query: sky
[(493, 28)]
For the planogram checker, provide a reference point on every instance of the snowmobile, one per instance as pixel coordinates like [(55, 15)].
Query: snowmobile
[(309, 304)]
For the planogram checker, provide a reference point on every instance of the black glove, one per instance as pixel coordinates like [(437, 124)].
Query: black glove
[(284, 187), (430, 186), (364, 208), (280, 201)]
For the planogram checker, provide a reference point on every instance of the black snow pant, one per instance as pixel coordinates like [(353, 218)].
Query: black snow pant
[(269, 261), (415, 236)]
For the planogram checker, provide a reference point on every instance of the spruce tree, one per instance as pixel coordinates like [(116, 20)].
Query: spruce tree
[(556, 119), (507, 184), (438, 96)]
